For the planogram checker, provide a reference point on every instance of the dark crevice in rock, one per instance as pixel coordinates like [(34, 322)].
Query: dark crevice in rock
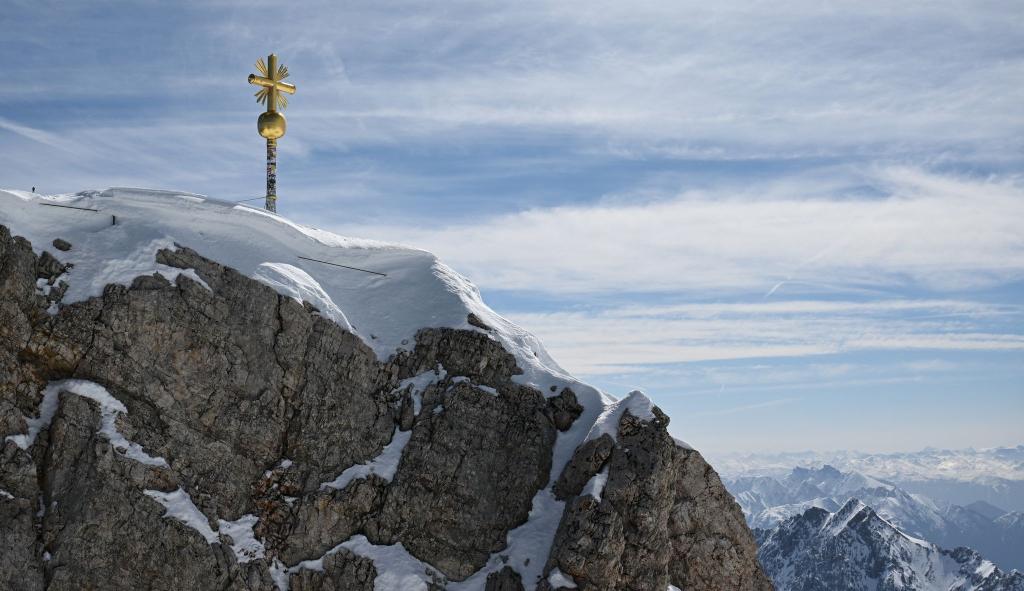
[(286, 404), (97, 326)]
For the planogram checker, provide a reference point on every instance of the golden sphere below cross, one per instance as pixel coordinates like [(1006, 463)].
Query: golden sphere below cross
[(271, 125)]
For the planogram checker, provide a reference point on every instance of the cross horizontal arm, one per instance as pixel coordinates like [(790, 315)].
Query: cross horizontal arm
[(268, 83)]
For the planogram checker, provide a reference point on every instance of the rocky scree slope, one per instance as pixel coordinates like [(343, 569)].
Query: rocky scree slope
[(208, 432)]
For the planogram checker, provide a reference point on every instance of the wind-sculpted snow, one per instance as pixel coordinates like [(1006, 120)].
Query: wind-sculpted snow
[(272, 422)]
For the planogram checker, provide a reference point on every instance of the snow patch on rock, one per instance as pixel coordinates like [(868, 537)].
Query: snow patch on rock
[(635, 403), (179, 505), (466, 380), (172, 274), (419, 384), (385, 465), (397, 570), (527, 545), (595, 486), (110, 407), (559, 579), (244, 542)]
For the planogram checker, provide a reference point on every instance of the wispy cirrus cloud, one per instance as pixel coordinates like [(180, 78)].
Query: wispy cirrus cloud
[(623, 339), (912, 229), (748, 407), (39, 136)]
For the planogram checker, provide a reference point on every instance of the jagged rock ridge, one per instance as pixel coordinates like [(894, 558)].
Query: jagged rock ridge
[(211, 433)]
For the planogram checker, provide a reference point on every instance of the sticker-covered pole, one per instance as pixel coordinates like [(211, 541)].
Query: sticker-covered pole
[(271, 204)]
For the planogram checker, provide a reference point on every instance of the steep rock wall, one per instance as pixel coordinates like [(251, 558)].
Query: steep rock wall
[(250, 443)]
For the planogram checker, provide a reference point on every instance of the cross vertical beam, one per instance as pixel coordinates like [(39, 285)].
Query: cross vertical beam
[(272, 69)]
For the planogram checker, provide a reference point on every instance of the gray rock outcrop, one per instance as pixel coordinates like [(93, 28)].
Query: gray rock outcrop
[(249, 404)]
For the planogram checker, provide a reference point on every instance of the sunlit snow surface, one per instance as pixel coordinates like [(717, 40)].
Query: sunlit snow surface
[(119, 241)]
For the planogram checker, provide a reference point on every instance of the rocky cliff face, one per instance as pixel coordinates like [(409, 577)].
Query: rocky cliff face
[(211, 433)]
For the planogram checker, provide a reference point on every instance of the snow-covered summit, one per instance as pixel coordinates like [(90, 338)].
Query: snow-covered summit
[(116, 233)]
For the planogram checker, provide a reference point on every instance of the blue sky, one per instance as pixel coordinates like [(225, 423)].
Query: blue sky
[(797, 225)]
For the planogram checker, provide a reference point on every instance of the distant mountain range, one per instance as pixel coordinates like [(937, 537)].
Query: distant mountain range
[(855, 549), (960, 477), (996, 534)]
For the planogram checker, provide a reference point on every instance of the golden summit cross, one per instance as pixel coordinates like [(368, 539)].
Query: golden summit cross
[(271, 124)]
